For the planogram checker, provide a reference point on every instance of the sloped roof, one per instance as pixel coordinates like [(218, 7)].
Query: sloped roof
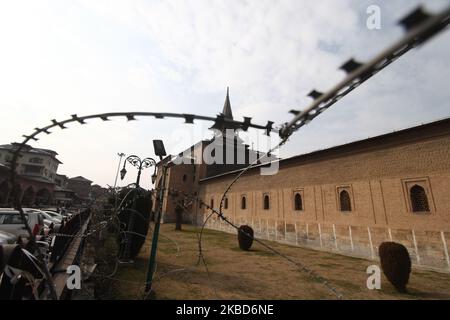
[(80, 178), (406, 135), (29, 149)]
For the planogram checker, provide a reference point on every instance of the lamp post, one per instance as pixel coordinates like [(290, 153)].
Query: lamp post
[(140, 164), (121, 155), (161, 152)]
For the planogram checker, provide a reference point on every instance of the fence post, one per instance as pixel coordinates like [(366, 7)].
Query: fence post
[(276, 230), (445, 248), (351, 237), (307, 231), (320, 235), (371, 244), (415, 247), (296, 234), (267, 229), (335, 238)]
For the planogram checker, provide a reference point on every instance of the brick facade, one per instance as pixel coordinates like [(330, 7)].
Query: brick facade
[(376, 173)]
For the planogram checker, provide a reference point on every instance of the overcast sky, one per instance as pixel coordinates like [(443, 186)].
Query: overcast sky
[(58, 58)]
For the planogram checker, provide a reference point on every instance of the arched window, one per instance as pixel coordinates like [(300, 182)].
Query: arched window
[(344, 200), (43, 196), (266, 202), (225, 205), (298, 203), (244, 202), (184, 178), (28, 197), (4, 192), (212, 203), (419, 200)]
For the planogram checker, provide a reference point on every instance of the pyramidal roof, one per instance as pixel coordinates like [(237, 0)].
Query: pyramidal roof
[(227, 114)]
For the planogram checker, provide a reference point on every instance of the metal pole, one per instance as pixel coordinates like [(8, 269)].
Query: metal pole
[(118, 168), (138, 179), (152, 260), (115, 181)]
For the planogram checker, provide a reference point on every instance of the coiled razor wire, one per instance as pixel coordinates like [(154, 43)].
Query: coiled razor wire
[(420, 27)]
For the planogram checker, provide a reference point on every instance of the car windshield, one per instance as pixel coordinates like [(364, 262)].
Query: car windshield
[(11, 218), (46, 215), (53, 214)]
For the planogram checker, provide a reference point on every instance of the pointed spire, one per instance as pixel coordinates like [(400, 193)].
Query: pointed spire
[(227, 106), (220, 125)]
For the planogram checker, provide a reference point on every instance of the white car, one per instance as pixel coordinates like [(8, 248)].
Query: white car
[(45, 214), (11, 222), (55, 215), (7, 238)]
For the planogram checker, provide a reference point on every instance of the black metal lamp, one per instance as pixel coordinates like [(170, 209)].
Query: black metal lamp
[(123, 172)]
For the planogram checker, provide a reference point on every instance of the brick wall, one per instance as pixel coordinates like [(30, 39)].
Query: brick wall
[(378, 175)]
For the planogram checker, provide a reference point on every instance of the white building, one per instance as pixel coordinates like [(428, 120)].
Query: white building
[(35, 163)]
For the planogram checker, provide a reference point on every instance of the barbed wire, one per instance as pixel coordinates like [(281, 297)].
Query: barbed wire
[(420, 27), (298, 264)]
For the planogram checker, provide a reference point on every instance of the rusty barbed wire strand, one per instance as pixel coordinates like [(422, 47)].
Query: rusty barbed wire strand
[(298, 264), (419, 25)]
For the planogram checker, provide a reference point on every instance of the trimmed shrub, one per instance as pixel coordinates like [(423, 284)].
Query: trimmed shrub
[(137, 206), (245, 237), (396, 264)]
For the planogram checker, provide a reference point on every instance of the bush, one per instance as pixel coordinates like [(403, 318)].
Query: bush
[(141, 201), (245, 237), (396, 264)]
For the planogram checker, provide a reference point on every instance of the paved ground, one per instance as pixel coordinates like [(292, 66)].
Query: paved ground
[(258, 274)]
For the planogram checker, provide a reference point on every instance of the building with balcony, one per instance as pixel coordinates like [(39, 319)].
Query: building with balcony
[(36, 169)]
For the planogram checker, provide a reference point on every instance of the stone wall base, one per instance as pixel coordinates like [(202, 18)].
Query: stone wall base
[(428, 249)]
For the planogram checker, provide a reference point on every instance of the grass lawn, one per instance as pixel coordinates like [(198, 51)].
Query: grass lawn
[(257, 274)]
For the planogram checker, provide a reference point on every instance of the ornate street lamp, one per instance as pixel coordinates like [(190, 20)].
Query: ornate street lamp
[(123, 172), (140, 164)]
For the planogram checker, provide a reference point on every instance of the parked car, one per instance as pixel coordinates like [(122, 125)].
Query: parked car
[(11, 222), (62, 211), (45, 215), (55, 215), (51, 217), (7, 238)]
